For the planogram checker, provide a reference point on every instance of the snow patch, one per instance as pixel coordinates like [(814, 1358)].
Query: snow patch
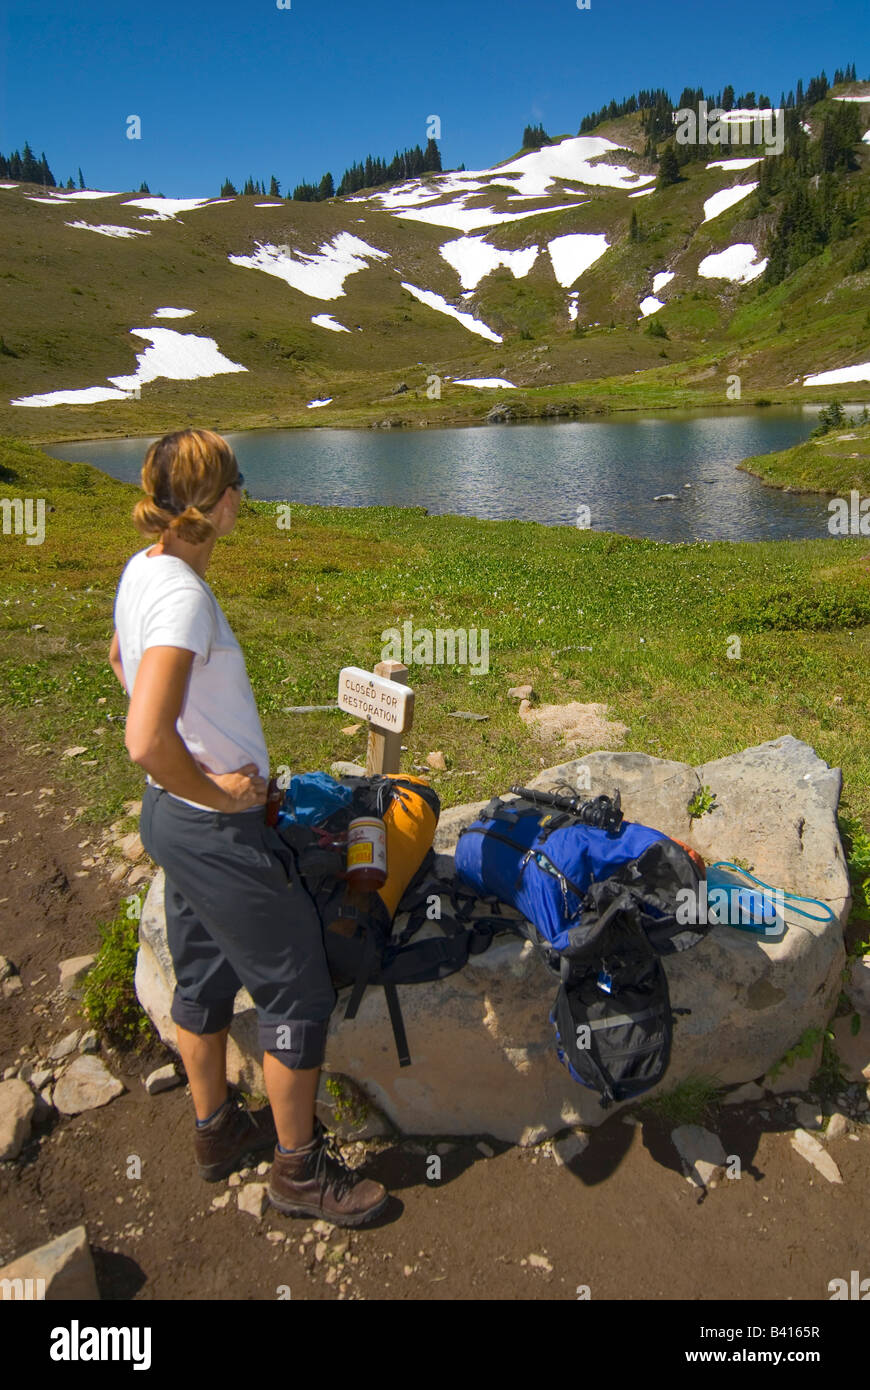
[(327, 321), (84, 193), (168, 208), (169, 313), (320, 275), (484, 381), (312, 405), (650, 305), (177, 356), (9, 185), (574, 253), (733, 163), (860, 372), (664, 277), (268, 205), (473, 258), (463, 219), (571, 159), (109, 229), (735, 263), (864, 100), (644, 193), (726, 198), (438, 302)]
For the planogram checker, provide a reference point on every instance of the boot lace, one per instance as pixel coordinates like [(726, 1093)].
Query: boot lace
[(330, 1167)]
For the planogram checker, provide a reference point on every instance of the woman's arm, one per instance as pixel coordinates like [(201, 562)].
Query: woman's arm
[(155, 744), (115, 660)]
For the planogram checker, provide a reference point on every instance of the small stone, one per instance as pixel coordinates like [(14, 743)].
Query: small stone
[(331, 1276), (345, 769), (540, 1262), (809, 1148), (234, 1180), (351, 729), (276, 1237), (701, 1151), (444, 1149), (320, 1250), (408, 1271), (25, 1071), (808, 1116), (262, 1169), (571, 1147), (41, 1078), (131, 847), (65, 1046), (485, 1150), (437, 761), (252, 1199), (163, 1079), (10, 1073), (522, 692), (17, 1110), (838, 1125), (322, 1228), (218, 1203), (73, 752), (14, 985), (307, 1239), (86, 1085), (6, 967)]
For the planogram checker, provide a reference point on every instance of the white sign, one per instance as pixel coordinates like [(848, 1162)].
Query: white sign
[(384, 703)]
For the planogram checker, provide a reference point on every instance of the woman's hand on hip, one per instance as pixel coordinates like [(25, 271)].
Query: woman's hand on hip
[(244, 788)]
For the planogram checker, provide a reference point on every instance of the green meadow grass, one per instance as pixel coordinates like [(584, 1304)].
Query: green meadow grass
[(835, 463)]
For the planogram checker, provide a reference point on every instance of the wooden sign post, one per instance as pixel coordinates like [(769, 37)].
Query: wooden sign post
[(384, 699)]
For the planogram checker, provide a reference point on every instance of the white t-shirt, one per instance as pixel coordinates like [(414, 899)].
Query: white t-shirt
[(162, 602)]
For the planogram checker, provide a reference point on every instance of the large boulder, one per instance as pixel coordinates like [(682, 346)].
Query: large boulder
[(62, 1270), (482, 1047)]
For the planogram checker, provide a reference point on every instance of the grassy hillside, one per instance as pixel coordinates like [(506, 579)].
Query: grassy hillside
[(659, 620), (71, 297), (835, 463)]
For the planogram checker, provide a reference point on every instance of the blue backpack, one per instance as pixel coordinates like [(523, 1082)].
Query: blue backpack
[(599, 900)]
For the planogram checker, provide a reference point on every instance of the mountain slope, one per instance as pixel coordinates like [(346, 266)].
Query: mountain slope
[(528, 273)]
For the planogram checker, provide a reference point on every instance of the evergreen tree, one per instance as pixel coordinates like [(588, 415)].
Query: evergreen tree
[(228, 189), (728, 98), (143, 188), (327, 187), (274, 188), (432, 158), (81, 178), (634, 233), (69, 183), (248, 191), (669, 169)]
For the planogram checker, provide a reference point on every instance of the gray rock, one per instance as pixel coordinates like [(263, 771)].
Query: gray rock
[(9, 1073), (7, 969), (65, 1264), (86, 1085), (25, 1071), (853, 1049), (481, 1041), (701, 1152), (17, 1109), (858, 985), (344, 769), (73, 973), (65, 1046), (253, 1199), (163, 1079), (796, 1076), (665, 497), (749, 1092), (809, 1148), (808, 1116), (13, 985), (90, 1041), (521, 692), (41, 1078)]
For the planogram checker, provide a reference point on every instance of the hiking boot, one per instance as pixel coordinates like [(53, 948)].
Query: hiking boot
[(315, 1181), (234, 1132)]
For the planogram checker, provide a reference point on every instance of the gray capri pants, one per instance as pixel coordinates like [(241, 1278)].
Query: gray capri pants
[(237, 914)]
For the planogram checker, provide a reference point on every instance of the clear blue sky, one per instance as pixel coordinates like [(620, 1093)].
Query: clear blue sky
[(238, 87)]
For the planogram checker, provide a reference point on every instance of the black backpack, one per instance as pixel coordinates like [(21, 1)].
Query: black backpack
[(374, 954)]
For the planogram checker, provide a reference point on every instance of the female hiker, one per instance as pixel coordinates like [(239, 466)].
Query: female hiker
[(236, 912)]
